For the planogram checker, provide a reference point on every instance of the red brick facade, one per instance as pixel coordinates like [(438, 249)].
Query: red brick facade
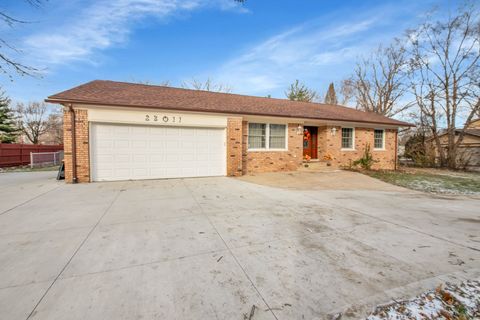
[(234, 147), (331, 143), (241, 161), (271, 161), (82, 145)]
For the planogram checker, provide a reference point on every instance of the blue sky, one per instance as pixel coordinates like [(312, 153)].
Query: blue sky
[(258, 48)]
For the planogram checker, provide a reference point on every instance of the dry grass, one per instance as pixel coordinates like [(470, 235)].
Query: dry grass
[(432, 180)]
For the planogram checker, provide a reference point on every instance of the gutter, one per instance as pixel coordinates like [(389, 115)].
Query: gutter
[(74, 144), (396, 150)]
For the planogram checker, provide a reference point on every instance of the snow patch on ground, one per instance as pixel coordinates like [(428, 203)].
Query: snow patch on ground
[(445, 302)]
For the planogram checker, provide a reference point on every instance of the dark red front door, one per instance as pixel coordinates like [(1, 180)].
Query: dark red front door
[(310, 142)]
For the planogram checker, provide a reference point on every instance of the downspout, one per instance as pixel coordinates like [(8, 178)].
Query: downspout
[(74, 144), (396, 149)]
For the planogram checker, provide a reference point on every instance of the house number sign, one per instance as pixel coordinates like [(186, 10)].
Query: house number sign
[(164, 118)]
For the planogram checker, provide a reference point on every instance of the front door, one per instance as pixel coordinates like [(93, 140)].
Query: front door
[(310, 142)]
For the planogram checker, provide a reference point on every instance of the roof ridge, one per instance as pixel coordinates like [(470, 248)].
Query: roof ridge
[(222, 93)]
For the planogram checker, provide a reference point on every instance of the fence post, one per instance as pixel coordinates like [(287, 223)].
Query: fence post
[(21, 155), (31, 161), (54, 158)]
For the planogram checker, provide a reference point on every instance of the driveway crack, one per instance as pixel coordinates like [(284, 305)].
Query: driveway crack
[(29, 200), (74, 254)]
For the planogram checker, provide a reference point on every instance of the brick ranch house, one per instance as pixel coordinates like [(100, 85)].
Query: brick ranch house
[(122, 131)]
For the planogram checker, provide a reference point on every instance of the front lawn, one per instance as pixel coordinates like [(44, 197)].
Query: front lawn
[(432, 180)]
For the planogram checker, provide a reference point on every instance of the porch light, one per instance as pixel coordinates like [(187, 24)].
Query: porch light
[(333, 131), (299, 129)]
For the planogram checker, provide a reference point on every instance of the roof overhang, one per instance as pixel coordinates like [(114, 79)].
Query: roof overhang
[(258, 114)]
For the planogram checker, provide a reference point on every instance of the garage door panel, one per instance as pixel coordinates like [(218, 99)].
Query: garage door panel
[(187, 145), (139, 130), (203, 157), (139, 158), (172, 132), (121, 152), (157, 144), (105, 158), (202, 132), (139, 144), (160, 131), (121, 144), (157, 172), (172, 146), (157, 158), (121, 130), (121, 171), (104, 144), (122, 159), (140, 172), (187, 133)]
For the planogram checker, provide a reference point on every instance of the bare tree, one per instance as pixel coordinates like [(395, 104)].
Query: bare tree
[(8, 64), (55, 126), (300, 92), (379, 81), (33, 120), (207, 85), (347, 91), (165, 83), (445, 77)]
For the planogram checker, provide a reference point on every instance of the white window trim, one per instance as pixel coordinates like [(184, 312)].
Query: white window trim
[(353, 139), (267, 138), (383, 140)]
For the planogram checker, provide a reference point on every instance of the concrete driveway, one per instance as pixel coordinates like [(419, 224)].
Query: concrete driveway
[(213, 248)]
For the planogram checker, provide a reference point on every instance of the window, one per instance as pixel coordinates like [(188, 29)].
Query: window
[(256, 135), (347, 138), (378, 139), (277, 136), (267, 136)]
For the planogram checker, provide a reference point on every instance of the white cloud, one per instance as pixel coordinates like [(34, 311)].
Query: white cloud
[(317, 52), (104, 24), (296, 53)]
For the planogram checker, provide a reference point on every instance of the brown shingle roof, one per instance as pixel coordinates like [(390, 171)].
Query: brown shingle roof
[(114, 93), (473, 132)]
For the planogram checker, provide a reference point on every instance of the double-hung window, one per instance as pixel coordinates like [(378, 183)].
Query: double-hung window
[(257, 135), (266, 136), (348, 138), (379, 139)]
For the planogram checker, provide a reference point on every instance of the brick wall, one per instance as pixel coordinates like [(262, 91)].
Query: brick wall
[(271, 161), (234, 147), (333, 144), (82, 149), (239, 159)]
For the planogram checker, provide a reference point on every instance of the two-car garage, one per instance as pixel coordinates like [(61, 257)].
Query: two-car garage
[(133, 152)]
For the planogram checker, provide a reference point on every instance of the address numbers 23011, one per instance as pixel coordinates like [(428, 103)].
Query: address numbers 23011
[(165, 119)]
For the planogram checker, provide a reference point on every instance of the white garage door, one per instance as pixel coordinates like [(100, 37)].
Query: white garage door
[(124, 152)]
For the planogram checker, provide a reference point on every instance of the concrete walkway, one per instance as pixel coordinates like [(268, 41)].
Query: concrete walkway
[(218, 248), (323, 179)]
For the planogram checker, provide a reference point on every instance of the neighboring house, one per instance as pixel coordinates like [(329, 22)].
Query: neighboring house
[(469, 150), (133, 131)]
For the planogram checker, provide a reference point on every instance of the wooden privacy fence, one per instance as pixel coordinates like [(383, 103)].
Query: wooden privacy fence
[(19, 154)]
